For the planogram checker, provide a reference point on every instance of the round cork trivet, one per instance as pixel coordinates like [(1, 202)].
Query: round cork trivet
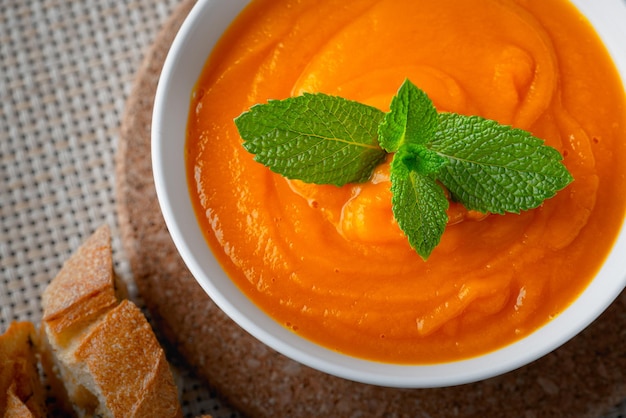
[(584, 378)]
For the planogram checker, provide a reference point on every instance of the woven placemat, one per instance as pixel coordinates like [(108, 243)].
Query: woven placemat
[(66, 71), (584, 378)]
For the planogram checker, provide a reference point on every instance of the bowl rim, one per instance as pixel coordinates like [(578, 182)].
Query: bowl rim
[(203, 26)]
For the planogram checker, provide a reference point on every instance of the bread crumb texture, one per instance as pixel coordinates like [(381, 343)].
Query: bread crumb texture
[(21, 391)]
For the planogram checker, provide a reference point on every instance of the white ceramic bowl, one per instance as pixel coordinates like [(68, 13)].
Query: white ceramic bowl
[(191, 47)]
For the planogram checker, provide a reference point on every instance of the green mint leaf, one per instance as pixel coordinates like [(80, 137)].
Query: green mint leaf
[(419, 205), (412, 119), (315, 138), (496, 168), (419, 158)]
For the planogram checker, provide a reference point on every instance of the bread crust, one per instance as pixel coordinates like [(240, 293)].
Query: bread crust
[(83, 289), (122, 348), (21, 392), (102, 353)]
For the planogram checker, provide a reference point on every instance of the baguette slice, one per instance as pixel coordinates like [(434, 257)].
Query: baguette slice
[(85, 288), (21, 392), (101, 355), (123, 368)]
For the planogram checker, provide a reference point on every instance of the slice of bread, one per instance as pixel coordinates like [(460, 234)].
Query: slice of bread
[(84, 289), (101, 355), (21, 392), (117, 369)]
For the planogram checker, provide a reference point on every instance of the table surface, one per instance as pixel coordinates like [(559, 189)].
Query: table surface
[(66, 71)]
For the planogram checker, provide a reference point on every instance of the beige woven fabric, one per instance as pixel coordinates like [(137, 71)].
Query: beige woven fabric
[(66, 70)]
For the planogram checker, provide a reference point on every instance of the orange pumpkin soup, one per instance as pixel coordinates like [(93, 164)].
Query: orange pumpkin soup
[(330, 263)]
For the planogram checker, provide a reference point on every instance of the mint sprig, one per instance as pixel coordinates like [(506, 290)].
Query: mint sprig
[(486, 166)]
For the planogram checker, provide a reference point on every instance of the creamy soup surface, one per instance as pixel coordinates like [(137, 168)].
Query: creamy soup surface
[(330, 263)]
